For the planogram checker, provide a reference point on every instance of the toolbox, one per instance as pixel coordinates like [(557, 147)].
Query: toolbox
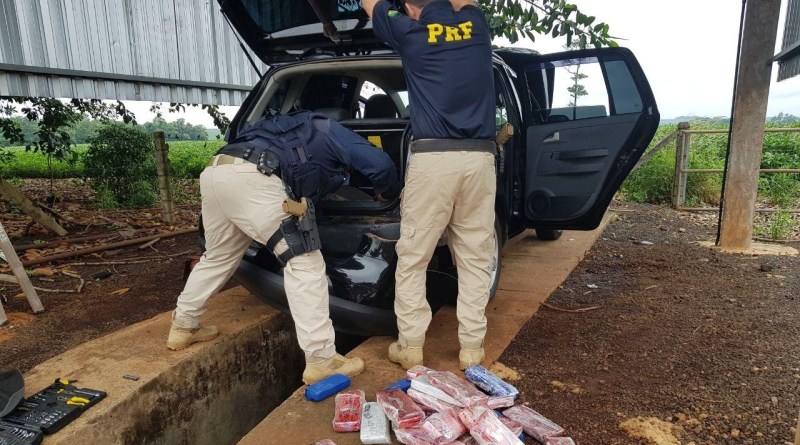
[(46, 412)]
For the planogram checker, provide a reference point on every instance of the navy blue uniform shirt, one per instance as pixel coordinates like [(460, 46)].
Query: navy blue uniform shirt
[(447, 59)]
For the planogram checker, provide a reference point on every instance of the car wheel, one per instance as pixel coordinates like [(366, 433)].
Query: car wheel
[(549, 234), (497, 258)]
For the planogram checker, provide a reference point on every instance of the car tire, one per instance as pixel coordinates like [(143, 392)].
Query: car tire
[(549, 234), (497, 261)]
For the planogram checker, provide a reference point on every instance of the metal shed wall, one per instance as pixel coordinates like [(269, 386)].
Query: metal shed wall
[(150, 50), (789, 57)]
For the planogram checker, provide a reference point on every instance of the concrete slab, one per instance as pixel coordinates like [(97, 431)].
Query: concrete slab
[(532, 269), (210, 393)]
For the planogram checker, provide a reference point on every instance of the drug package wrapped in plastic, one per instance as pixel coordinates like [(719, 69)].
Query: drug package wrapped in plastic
[(416, 371), (500, 402), (559, 441), (413, 436), (457, 388), (469, 416), (489, 430), (400, 409), (423, 385), (327, 387), (515, 427), (325, 442), (534, 424), (466, 440), (444, 427), (429, 403), (402, 384), (374, 425), (485, 380), (347, 417)]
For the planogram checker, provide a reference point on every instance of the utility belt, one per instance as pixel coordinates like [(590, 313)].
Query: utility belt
[(443, 145), (265, 160)]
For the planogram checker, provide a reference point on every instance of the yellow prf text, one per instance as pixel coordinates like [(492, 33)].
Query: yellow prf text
[(437, 32)]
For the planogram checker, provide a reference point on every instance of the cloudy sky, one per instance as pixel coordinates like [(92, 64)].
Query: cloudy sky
[(686, 47)]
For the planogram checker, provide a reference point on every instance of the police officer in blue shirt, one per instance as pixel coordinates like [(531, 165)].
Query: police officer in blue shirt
[(249, 189), (450, 185)]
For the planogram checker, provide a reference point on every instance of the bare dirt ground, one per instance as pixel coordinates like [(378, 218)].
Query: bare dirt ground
[(700, 343), (705, 343), (120, 286)]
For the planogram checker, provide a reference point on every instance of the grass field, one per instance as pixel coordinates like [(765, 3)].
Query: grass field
[(188, 158)]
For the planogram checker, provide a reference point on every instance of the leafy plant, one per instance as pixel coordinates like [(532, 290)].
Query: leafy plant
[(121, 160)]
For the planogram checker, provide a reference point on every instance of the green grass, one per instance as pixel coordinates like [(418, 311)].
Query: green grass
[(652, 182), (188, 158)]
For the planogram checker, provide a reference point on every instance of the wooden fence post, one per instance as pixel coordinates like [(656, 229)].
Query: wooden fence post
[(681, 163), (19, 272), (162, 167)]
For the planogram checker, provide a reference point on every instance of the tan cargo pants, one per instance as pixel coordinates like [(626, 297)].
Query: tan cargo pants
[(452, 191), (240, 204)]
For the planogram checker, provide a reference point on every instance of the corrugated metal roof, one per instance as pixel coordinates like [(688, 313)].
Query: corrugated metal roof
[(790, 66), (150, 50)]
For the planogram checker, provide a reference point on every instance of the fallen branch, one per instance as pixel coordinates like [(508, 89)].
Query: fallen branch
[(136, 260), (8, 278), (781, 241), (149, 243), (126, 243), (578, 311), (74, 275), (56, 242)]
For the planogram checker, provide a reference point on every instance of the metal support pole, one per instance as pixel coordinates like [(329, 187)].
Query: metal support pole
[(681, 164), (164, 186)]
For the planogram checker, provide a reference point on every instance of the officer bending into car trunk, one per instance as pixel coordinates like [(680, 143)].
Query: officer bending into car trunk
[(263, 186), (450, 184)]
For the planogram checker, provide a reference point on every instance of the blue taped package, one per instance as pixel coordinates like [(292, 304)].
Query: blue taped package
[(402, 384), (327, 387), (489, 382)]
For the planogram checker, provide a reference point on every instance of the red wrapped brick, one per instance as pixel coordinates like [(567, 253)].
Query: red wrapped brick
[(534, 424), (469, 416), (458, 388), (428, 402), (444, 427), (400, 409), (413, 436), (559, 441), (489, 430), (416, 371), (324, 442), (515, 427), (347, 417), (500, 402)]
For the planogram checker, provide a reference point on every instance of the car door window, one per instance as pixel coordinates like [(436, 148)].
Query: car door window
[(582, 88)]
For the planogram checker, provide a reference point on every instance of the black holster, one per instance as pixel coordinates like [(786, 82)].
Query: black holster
[(301, 235)]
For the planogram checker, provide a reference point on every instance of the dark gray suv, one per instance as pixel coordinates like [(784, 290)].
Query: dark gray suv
[(581, 120)]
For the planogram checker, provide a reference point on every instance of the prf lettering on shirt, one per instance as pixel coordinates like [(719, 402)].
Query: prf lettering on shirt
[(437, 32)]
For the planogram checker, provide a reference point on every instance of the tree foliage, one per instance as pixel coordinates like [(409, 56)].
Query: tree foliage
[(515, 19)]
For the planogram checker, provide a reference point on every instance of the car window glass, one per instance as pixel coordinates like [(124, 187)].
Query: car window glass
[(501, 110), (582, 88), (376, 103)]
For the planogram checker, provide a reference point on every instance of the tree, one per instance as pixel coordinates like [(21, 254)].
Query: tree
[(575, 90), (514, 18)]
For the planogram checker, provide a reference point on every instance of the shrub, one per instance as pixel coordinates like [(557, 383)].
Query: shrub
[(120, 160)]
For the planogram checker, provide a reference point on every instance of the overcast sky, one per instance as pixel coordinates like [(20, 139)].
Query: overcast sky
[(687, 49)]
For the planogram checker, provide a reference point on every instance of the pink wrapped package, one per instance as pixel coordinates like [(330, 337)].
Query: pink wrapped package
[(428, 402), (416, 371), (457, 388), (400, 409), (468, 440), (444, 427), (489, 430), (324, 442), (559, 441), (413, 436), (469, 416), (515, 427), (347, 417), (534, 424), (501, 402)]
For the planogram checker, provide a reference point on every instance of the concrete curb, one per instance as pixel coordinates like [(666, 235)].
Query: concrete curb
[(210, 393)]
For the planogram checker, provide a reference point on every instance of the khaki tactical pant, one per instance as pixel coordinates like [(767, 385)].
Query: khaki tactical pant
[(452, 192), (239, 205)]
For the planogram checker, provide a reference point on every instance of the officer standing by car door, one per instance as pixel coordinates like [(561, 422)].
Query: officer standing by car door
[(249, 192), (450, 183)]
